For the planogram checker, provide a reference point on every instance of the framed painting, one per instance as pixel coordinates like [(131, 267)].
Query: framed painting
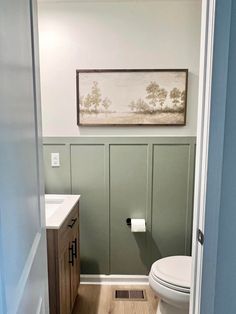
[(131, 97)]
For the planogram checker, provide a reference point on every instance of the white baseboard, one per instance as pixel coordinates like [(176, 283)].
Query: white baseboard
[(114, 279)]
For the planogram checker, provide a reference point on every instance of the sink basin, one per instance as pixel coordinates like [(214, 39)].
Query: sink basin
[(50, 209), (54, 201), (57, 208), (52, 204)]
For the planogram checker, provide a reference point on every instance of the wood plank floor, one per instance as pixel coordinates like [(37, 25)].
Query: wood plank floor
[(98, 299)]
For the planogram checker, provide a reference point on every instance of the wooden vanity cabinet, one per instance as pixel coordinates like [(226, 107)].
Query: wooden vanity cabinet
[(64, 264)]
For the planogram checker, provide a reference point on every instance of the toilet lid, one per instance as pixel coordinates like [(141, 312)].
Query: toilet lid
[(175, 270)]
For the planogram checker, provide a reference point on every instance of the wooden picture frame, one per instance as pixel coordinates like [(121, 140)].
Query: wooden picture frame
[(132, 97)]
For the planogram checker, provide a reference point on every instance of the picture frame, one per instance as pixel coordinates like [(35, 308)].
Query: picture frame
[(154, 97)]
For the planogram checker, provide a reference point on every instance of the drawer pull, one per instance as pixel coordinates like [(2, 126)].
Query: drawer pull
[(75, 248), (73, 221), (71, 255)]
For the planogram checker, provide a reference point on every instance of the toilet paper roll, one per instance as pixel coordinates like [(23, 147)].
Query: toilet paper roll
[(138, 225)]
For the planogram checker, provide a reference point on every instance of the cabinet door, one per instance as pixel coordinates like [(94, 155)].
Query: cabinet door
[(64, 282), (75, 268)]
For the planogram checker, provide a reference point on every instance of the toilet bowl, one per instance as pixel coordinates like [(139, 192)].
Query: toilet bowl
[(170, 279)]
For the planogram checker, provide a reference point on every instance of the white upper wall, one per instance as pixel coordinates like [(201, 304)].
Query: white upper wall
[(114, 35)]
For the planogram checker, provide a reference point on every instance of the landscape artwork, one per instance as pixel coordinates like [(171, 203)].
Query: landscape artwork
[(131, 97)]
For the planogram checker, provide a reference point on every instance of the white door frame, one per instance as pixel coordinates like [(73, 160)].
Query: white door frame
[(203, 123)]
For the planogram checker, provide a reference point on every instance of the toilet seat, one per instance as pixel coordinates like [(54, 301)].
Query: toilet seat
[(170, 286), (173, 272)]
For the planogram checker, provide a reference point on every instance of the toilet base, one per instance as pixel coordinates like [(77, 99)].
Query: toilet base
[(165, 308)]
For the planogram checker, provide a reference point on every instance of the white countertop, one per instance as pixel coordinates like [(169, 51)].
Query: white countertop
[(57, 208)]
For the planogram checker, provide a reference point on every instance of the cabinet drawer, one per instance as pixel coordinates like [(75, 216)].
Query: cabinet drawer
[(67, 229)]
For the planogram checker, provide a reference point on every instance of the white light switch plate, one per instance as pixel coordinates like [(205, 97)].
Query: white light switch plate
[(55, 159)]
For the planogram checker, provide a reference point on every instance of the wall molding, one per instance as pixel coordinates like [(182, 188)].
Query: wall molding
[(118, 139), (154, 175)]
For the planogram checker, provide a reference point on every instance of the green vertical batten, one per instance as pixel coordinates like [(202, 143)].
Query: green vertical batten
[(107, 200), (149, 203), (126, 177), (190, 204)]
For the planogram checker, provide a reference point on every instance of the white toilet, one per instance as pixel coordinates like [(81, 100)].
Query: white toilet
[(170, 279)]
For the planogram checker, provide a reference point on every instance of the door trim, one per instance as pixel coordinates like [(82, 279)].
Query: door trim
[(203, 126)]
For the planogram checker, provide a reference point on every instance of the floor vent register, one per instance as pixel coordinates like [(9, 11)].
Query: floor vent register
[(130, 295)]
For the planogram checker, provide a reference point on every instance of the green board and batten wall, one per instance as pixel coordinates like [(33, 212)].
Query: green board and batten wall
[(126, 177)]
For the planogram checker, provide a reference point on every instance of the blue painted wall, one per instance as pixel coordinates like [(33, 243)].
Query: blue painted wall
[(219, 265)]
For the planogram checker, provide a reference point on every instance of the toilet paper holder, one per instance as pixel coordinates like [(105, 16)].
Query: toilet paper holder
[(128, 222), (136, 225)]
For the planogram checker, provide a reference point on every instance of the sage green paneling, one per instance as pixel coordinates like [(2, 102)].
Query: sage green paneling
[(57, 179), (172, 192), (88, 179), (128, 199), (121, 177)]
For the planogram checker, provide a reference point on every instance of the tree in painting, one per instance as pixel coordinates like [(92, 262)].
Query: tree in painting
[(156, 97), (140, 105), (85, 103), (152, 94), (175, 95), (106, 103), (162, 96), (93, 102), (95, 96), (182, 98)]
